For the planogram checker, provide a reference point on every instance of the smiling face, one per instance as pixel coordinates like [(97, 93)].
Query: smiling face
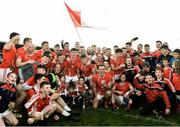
[(11, 78), (46, 89), (149, 79)]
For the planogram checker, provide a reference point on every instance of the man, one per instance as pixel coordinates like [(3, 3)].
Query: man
[(149, 56), (9, 51), (102, 84), (71, 70), (23, 49), (165, 53), (117, 63), (140, 48), (40, 105), (7, 98), (157, 52), (29, 57), (157, 98), (45, 48)]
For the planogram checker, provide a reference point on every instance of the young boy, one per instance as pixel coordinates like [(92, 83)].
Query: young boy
[(167, 70)]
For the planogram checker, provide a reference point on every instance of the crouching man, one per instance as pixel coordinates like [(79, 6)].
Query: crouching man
[(157, 98), (39, 106)]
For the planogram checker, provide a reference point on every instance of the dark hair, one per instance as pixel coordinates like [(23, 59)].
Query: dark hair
[(140, 45), (43, 84), (164, 47), (146, 45), (9, 74), (47, 54), (158, 41), (129, 43), (13, 34), (148, 74), (100, 65), (83, 56), (146, 64), (108, 49), (44, 42), (74, 49), (142, 73), (57, 45), (26, 40), (38, 76), (118, 50), (176, 51), (136, 54), (165, 59), (115, 46), (41, 66)]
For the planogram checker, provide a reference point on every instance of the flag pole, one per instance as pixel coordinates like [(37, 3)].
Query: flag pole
[(78, 34), (70, 11)]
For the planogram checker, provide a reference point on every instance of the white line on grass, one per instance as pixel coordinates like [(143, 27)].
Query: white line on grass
[(140, 117)]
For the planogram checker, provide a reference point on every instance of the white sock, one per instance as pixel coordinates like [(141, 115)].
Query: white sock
[(67, 108), (65, 113)]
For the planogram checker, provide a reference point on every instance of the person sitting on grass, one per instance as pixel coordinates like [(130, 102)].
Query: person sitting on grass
[(157, 98), (121, 92), (7, 99), (40, 105)]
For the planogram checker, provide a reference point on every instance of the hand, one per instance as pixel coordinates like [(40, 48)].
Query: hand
[(16, 39), (11, 105), (31, 61), (167, 111), (126, 95), (0, 98), (103, 82), (122, 65)]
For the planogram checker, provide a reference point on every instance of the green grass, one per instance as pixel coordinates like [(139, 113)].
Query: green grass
[(103, 117)]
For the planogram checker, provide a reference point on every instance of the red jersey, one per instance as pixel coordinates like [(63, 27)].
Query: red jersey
[(9, 57), (166, 81), (20, 51), (86, 70), (153, 91), (97, 79), (66, 52), (26, 57), (71, 69), (123, 87), (167, 72), (8, 87), (176, 81), (39, 104), (138, 62), (116, 62), (30, 81), (146, 55), (157, 53)]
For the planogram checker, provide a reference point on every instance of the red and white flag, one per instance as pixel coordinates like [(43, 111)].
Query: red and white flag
[(78, 20)]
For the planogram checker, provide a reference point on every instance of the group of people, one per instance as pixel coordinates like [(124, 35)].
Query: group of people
[(123, 77)]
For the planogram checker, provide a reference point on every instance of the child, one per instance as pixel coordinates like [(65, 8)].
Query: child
[(167, 70)]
